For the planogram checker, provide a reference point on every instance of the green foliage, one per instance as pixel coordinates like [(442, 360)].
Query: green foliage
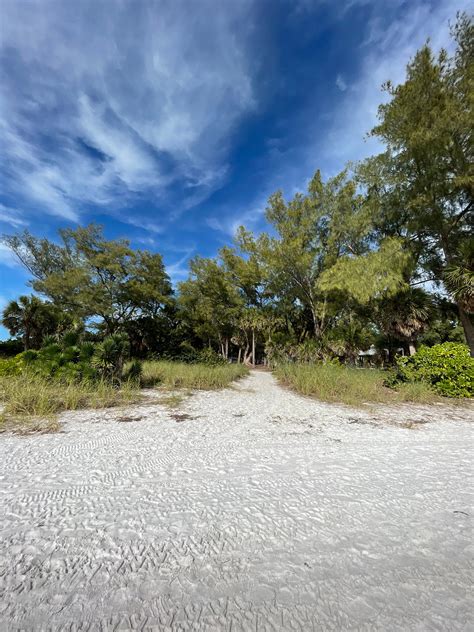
[(448, 368), (31, 319), (368, 276), (65, 362), (9, 348), (92, 277), (11, 366), (133, 371), (422, 186), (110, 355)]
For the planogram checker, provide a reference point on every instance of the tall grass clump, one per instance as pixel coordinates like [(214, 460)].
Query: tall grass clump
[(346, 385), (31, 395), (193, 376)]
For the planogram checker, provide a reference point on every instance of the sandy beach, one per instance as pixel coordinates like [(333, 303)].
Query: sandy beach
[(251, 508)]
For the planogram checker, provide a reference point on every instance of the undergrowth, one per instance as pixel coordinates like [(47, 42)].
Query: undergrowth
[(192, 376), (27, 396), (333, 383)]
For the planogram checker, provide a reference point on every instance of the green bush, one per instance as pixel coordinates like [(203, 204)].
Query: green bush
[(189, 355), (11, 366), (447, 367), (110, 355), (69, 360), (133, 371)]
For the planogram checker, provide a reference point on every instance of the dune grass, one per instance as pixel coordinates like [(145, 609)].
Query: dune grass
[(173, 375), (30, 403), (27, 397), (345, 385)]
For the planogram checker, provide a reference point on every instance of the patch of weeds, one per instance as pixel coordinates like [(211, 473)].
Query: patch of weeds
[(172, 401)]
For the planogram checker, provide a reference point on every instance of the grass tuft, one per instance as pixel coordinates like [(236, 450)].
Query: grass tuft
[(32, 396), (345, 385), (173, 375)]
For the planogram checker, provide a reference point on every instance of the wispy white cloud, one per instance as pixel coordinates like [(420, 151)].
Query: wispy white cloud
[(340, 83), (385, 54), (103, 101), (12, 217), (7, 258), (179, 270), (229, 223)]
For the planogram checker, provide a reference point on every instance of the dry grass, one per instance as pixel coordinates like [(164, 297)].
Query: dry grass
[(345, 385), (173, 375), (27, 398)]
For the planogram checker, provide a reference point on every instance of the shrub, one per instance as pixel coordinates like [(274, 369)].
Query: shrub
[(133, 371), (9, 348), (11, 366), (68, 362), (190, 355), (447, 367)]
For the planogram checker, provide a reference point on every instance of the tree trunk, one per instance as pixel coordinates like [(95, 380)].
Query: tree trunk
[(411, 348), (227, 348), (253, 347), (468, 329), (240, 355), (247, 354)]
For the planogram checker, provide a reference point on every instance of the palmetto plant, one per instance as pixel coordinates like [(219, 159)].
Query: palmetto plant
[(110, 355), (406, 315), (459, 278)]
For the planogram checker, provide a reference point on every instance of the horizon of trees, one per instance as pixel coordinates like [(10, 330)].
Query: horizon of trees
[(343, 266)]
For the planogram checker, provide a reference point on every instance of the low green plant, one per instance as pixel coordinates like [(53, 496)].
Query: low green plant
[(10, 366), (110, 355), (133, 371), (447, 368)]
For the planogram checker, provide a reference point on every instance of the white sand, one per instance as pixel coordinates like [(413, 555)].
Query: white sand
[(264, 511)]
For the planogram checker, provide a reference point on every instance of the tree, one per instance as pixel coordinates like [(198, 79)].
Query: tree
[(423, 184), (405, 316), (104, 281), (210, 302), (459, 277), (31, 319), (325, 245)]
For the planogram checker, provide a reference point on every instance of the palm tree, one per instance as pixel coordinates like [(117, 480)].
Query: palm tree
[(459, 281), (405, 316), (30, 318)]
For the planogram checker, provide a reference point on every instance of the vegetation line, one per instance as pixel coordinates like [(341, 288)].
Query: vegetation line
[(337, 281)]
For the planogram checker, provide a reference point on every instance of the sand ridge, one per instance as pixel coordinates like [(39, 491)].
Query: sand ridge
[(253, 508)]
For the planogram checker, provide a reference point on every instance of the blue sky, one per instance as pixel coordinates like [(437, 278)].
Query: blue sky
[(171, 123)]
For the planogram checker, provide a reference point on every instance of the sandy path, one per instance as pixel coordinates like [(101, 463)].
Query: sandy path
[(263, 511)]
